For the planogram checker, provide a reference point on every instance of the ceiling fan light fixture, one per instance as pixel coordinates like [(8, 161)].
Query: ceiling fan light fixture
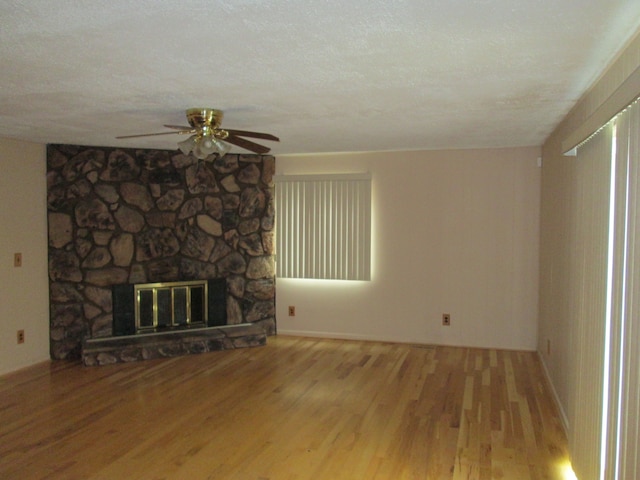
[(222, 147), (207, 145), (203, 146), (187, 145)]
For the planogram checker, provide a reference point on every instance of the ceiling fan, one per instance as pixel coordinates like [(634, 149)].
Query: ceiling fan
[(208, 138)]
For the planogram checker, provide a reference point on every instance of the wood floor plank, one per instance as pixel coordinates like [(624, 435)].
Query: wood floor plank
[(296, 409)]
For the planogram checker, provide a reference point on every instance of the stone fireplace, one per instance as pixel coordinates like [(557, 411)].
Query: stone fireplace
[(145, 217)]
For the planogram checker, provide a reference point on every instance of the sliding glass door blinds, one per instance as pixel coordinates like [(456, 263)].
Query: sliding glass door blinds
[(605, 302), (588, 299), (621, 446)]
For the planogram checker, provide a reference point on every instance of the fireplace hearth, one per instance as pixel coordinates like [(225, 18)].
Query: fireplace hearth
[(167, 319), (171, 343)]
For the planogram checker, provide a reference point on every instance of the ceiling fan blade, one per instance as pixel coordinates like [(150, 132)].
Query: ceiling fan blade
[(150, 134), (246, 144), (244, 133), (181, 127)]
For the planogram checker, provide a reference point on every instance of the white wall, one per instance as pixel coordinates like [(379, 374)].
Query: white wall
[(453, 231), (24, 301)]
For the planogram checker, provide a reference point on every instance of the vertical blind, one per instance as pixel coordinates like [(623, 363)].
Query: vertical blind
[(323, 227), (621, 452), (606, 391), (588, 265)]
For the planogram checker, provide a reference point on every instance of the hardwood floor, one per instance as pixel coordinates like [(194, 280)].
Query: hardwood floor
[(297, 409)]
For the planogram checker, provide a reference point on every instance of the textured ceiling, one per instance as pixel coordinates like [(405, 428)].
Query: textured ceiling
[(323, 75)]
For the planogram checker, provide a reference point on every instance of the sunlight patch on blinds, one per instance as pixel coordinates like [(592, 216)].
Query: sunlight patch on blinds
[(323, 226)]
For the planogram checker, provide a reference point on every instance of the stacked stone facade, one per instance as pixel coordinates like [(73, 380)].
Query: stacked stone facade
[(138, 216)]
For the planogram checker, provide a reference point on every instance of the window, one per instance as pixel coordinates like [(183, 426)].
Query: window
[(323, 226)]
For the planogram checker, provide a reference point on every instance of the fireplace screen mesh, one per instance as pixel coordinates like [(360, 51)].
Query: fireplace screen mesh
[(170, 305)]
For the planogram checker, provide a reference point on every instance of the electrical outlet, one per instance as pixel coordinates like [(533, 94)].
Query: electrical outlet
[(17, 259), (292, 311), (20, 336), (446, 319)]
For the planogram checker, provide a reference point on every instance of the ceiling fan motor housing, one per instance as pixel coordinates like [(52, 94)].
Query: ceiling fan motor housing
[(207, 119)]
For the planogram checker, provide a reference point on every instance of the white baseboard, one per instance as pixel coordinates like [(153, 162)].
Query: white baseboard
[(556, 398), (338, 336), (386, 339)]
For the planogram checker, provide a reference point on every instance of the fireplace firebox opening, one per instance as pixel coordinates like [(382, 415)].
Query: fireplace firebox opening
[(154, 307), (170, 305)]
